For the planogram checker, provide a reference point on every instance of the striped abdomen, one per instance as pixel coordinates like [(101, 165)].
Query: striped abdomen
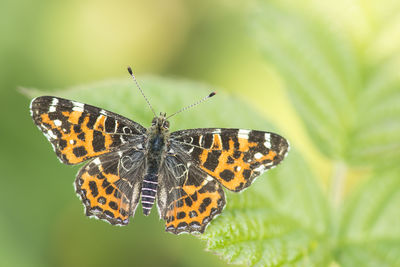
[(156, 146), (149, 190)]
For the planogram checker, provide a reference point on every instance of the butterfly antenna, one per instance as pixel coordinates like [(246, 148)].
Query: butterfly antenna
[(141, 91), (192, 105)]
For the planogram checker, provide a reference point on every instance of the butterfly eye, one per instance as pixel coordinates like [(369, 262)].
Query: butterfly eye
[(166, 124)]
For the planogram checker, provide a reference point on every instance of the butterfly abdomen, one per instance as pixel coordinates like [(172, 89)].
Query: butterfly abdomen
[(149, 190), (156, 147)]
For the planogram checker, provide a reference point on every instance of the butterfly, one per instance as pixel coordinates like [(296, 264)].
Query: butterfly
[(183, 172)]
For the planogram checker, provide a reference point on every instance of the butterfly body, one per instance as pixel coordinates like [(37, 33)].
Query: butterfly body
[(156, 149), (182, 172)]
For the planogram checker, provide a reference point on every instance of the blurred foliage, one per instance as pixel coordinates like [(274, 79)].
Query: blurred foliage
[(348, 105), (324, 72)]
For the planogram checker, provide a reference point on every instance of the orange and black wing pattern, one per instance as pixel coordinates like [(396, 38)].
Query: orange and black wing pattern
[(79, 131), (184, 171), (110, 185), (189, 203), (234, 157)]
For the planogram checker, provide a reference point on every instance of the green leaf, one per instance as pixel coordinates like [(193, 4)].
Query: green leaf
[(370, 227), (350, 109), (350, 105), (282, 218), (378, 126)]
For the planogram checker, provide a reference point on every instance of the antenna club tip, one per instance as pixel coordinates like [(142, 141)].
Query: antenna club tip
[(130, 70), (212, 94)]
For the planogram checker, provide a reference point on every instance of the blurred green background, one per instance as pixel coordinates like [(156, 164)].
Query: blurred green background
[(55, 44)]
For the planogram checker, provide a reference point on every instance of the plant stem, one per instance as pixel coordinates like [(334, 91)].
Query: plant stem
[(338, 183)]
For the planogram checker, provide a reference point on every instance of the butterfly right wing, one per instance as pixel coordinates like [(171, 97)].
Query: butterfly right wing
[(79, 131), (110, 185)]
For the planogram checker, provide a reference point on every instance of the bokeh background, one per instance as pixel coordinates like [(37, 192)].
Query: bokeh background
[(55, 44)]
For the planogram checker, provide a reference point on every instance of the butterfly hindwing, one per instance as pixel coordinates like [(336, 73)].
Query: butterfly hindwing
[(79, 131), (109, 186), (234, 157), (188, 204)]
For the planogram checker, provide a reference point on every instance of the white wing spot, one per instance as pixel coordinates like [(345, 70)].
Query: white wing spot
[(57, 123), (72, 142), (267, 142), (77, 109), (51, 134), (52, 109), (260, 169), (258, 155), (77, 106), (54, 102), (243, 133), (217, 131)]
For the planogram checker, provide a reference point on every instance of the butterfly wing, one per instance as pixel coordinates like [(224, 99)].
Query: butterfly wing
[(234, 157), (79, 131), (110, 185), (188, 199)]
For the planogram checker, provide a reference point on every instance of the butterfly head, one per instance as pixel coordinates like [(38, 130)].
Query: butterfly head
[(160, 123)]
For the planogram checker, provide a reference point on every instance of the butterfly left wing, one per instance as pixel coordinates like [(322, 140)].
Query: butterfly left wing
[(79, 131), (110, 185), (234, 157), (187, 198)]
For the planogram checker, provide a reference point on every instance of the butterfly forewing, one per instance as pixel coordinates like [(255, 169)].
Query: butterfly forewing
[(79, 131), (234, 157)]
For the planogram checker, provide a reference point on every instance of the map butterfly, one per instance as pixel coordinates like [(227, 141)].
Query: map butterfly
[(183, 172)]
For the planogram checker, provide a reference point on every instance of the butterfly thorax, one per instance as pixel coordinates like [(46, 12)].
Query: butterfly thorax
[(156, 147)]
